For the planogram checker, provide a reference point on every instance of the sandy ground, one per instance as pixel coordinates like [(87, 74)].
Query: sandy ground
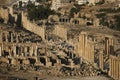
[(31, 76)]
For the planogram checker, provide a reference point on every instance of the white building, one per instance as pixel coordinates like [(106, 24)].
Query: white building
[(81, 2), (93, 2), (25, 2), (56, 4)]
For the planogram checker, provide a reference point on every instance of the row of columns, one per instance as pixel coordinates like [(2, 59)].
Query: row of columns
[(85, 48), (19, 50), (109, 43), (114, 70), (8, 37), (109, 49), (25, 50)]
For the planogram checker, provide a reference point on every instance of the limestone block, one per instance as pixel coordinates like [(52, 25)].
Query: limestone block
[(14, 62), (88, 15), (48, 64), (26, 62), (4, 60)]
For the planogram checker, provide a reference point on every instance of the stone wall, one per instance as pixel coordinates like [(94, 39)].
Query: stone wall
[(60, 31), (4, 14), (33, 27)]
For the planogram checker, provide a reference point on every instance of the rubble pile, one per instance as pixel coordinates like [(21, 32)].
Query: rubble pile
[(84, 70), (5, 67)]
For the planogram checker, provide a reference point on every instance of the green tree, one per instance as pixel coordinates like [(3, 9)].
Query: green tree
[(73, 10), (117, 25), (100, 15), (39, 12)]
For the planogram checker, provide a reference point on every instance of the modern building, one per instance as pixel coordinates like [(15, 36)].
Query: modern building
[(93, 2), (55, 4), (81, 2), (59, 3)]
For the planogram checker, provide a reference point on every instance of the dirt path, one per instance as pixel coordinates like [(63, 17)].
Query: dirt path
[(31, 76)]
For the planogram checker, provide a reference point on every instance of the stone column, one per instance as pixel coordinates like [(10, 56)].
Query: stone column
[(0, 51), (14, 49), (83, 45), (109, 45), (101, 61), (110, 70), (92, 52), (6, 37), (25, 50), (17, 39), (48, 63), (88, 53), (106, 46), (2, 47), (110, 67), (0, 36), (83, 37), (11, 37), (22, 51), (35, 50), (9, 50), (31, 50), (86, 45), (80, 46), (114, 69), (119, 69)]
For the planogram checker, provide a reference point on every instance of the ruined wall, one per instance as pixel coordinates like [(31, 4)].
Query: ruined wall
[(110, 1), (114, 70), (11, 11), (96, 22), (32, 27), (4, 14), (60, 31), (78, 21)]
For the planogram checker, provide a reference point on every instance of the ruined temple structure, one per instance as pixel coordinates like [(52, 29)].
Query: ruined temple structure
[(69, 50)]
